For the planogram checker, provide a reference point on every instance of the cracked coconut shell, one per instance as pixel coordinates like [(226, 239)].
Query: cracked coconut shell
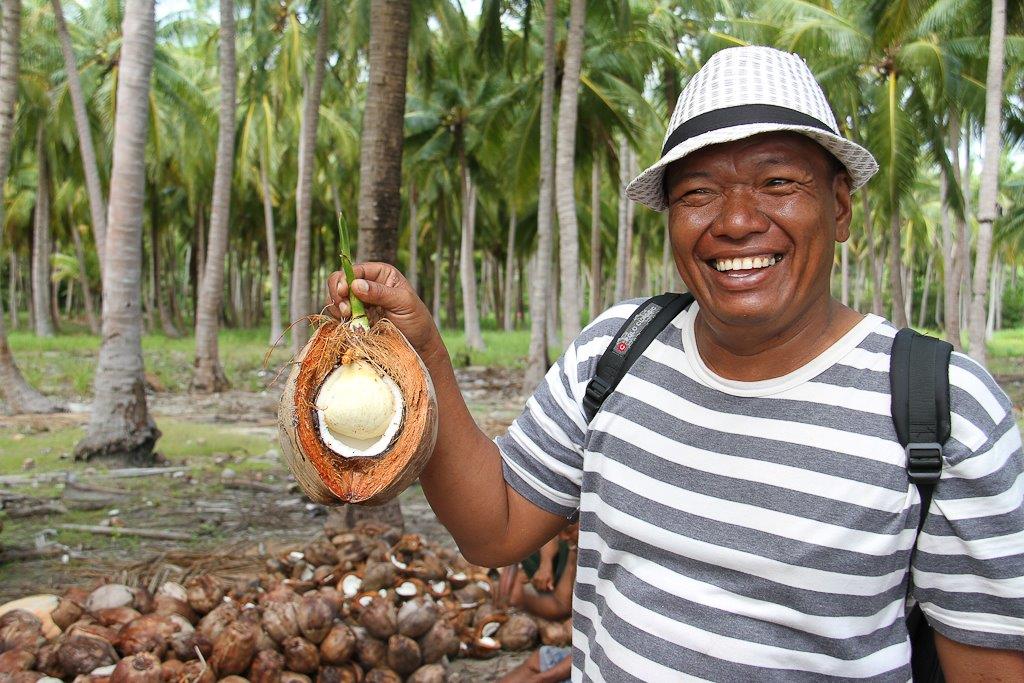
[(327, 477)]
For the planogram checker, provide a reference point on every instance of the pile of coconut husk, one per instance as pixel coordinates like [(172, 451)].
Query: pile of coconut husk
[(367, 604)]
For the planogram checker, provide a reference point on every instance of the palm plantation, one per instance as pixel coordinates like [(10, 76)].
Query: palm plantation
[(493, 177)]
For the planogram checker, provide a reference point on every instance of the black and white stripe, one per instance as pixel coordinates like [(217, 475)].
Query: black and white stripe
[(763, 531)]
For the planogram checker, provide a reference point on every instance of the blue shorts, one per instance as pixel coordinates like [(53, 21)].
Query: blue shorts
[(550, 656)]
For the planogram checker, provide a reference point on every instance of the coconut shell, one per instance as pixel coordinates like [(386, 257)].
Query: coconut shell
[(416, 616), (16, 660), (340, 674), (234, 649), (149, 633), (300, 655), (339, 645), (20, 630), (327, 477), (81, 653), (204, 593), (280, 619), (140, 668), (316, 616), (379, 618), (371, 652), (266, 667), (518, 633), (382, 675), (217, 620), (429, 673), (403, 654), (196, 672), (109, 596), (440, 641)]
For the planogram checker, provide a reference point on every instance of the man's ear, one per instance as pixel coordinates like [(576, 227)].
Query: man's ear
[(843, 205)]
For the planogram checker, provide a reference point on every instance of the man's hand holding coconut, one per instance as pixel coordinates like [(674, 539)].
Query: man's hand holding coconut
[(463, 480)]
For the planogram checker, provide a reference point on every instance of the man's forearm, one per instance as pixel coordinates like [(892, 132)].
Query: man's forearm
[(463, 481)]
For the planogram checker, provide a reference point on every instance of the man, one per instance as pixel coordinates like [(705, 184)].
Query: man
[(743, 501)]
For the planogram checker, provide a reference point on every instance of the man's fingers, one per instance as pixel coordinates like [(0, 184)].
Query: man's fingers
[(376, 294)]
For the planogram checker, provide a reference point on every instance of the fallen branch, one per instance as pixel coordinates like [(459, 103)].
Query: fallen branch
[(22, 554), (158, 534), (49, 507), (253, 486)]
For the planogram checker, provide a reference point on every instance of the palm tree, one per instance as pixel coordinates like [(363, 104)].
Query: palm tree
[(19, 396), (120, 425), (565, 171), (537, 359), (989, 180), (97, 204), (42, 241), (300, 298), (380, 160), (209, 376)]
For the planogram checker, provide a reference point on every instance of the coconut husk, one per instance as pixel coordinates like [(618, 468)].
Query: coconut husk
[(518, 633), (327, 477), (266, 667), (16, 660), (339, 645), (429, 673)]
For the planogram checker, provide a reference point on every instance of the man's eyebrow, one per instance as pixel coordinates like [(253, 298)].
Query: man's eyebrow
[(688, 175), (774, 161)]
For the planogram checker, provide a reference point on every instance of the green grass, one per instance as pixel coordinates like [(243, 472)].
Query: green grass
[(183, 440), (64, 365)]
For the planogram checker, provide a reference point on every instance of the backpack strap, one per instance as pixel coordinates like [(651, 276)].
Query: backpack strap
[(635, 335), (919, 385)]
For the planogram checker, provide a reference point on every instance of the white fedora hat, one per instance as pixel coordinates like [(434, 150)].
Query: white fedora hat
[(744, 91)]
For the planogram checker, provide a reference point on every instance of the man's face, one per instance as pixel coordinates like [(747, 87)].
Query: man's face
[(753, 225)]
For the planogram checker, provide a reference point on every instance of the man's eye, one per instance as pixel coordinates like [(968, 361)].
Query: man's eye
[(778, 182)]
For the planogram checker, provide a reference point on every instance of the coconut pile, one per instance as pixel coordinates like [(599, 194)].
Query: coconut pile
[(367, 604)]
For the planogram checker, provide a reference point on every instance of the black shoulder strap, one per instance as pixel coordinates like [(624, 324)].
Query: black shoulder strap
[(919, 384), (635, 335)]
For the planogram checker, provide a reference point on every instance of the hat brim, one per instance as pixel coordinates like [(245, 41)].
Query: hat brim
[(648, 187)]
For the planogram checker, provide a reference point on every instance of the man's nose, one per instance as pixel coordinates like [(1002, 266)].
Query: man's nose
[(740, 215)]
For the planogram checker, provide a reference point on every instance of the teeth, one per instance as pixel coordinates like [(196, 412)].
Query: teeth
[(745, 263)]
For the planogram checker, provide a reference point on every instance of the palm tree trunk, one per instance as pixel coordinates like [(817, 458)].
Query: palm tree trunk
[(380, 158), (120, 425), (438, 267), (94, 188), (923, 313), (12, 284), (83, 280), (414, 241), (161, 296), (951, 247), (510, 274), (565, 167), (300, 299), (994, 284), (209, 376), (622, 238), (595, 238), (467, 271), (41, 242), (989, 181), (899, 311), (538, 361), (275, 276)]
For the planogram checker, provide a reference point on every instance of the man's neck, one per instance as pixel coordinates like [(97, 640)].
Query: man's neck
[(749, 354)]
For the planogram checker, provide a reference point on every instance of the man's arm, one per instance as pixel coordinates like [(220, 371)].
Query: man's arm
[(962, 662), (463, 481)]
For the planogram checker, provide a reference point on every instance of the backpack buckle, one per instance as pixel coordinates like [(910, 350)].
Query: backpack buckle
[(597, 391), (924, 461)]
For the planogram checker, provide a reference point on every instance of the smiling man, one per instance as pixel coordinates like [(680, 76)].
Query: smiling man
[(744, 506)]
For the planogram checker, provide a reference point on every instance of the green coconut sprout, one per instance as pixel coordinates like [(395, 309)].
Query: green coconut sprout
[(359, 319)]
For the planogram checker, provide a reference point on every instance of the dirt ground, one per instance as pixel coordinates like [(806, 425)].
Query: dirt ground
[(240, 527)]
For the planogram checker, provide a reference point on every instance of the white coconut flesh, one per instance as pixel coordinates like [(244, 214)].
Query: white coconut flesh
[(359, 410)]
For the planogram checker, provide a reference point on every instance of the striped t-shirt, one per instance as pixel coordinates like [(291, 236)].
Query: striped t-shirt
[(752, 531)]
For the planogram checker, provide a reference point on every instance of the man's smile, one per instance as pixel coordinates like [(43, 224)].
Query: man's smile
[(741, 263)]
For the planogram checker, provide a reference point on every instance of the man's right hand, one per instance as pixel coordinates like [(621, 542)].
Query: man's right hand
[(386, 293)]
